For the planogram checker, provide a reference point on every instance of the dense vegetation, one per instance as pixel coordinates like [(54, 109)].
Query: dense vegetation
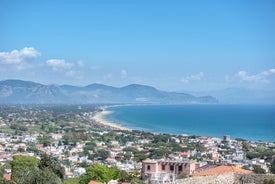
[(30, 170), (104, 174)]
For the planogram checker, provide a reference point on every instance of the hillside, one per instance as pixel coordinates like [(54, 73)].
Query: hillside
[(27, 92)]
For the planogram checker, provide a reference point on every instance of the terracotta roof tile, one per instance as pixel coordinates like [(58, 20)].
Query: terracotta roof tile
[(220, 170), (7, 176), (94, 182)]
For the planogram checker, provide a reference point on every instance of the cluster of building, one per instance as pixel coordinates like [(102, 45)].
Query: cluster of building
[(163, 171), (211, 155), (69, 156), (214, 159)]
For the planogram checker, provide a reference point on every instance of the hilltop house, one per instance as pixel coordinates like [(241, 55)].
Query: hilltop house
[(160, 171)]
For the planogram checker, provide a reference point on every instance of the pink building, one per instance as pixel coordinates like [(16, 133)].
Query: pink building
[(160, 171)]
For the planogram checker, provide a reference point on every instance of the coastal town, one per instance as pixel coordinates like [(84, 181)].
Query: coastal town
[(77, 136)]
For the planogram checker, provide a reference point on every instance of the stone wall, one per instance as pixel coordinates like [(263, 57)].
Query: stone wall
[(253, 178), (227, 178)]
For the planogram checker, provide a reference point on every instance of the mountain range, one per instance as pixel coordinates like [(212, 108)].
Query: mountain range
[(27, 92)]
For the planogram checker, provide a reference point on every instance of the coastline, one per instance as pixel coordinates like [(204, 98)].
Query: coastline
[(99, 117)]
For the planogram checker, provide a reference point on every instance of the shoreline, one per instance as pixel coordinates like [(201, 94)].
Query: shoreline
[(99, 117)]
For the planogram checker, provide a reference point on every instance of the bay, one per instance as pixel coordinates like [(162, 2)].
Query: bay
[(251, 122)]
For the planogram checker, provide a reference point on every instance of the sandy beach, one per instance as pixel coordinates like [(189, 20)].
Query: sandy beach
[(99, 117)]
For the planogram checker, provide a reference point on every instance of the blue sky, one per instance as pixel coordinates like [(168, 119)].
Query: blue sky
[(172, 45)]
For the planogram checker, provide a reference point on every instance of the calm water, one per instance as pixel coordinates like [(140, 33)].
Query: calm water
[(251, 122)]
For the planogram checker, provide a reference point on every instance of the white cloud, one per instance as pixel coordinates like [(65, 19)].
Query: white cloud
[(18, 56), (123, 73), (80, 63), (243, 76), (195, 77), (57, 64)]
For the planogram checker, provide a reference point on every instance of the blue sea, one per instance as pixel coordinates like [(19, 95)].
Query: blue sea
[(251, 122)]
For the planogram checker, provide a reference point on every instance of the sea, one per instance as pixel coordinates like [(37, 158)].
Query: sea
[(250, 122)]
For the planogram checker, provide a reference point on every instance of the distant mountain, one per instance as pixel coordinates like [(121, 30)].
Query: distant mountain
[(241, 96), (27, 92)]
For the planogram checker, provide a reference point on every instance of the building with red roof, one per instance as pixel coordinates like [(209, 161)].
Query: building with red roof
[(221, 170), (7, 176), (94, 182)]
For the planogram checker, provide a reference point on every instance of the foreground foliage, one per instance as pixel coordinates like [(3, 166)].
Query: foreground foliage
[(101, 173), (71, 181), (30, 170)]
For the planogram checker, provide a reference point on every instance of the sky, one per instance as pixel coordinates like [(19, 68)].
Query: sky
[(179, 45)]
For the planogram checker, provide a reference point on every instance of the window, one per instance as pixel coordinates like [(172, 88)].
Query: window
[(180, 168), (148, 167), (171, 168), (163, 167)]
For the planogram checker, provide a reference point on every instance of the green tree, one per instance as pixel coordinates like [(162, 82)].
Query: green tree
[(20, 162), (102, 154), (101, 173), (46, 176), (51, 164), (4, 181), (29, 170), (32, 148), (20, 149), (259, 170), (44, 140), (3, 167), (71, 181), (240, 139), (140, 156), (136, 181), (159, 153), (34, 175), (246, 167)]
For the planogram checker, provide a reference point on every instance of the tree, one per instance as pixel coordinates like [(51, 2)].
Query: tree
[(32, 148), (3, 167), (29, 170), (83, 164), (240, 139), (20, 162), (4, 181), (140, 156), (89, 147), (44, 140), (101, 173), (101, 153), (34, 175), (158, 153), (49, 163), (246, 167), (272, 168), (46, 176), (136, 181), (20, 149), (259, 170)]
